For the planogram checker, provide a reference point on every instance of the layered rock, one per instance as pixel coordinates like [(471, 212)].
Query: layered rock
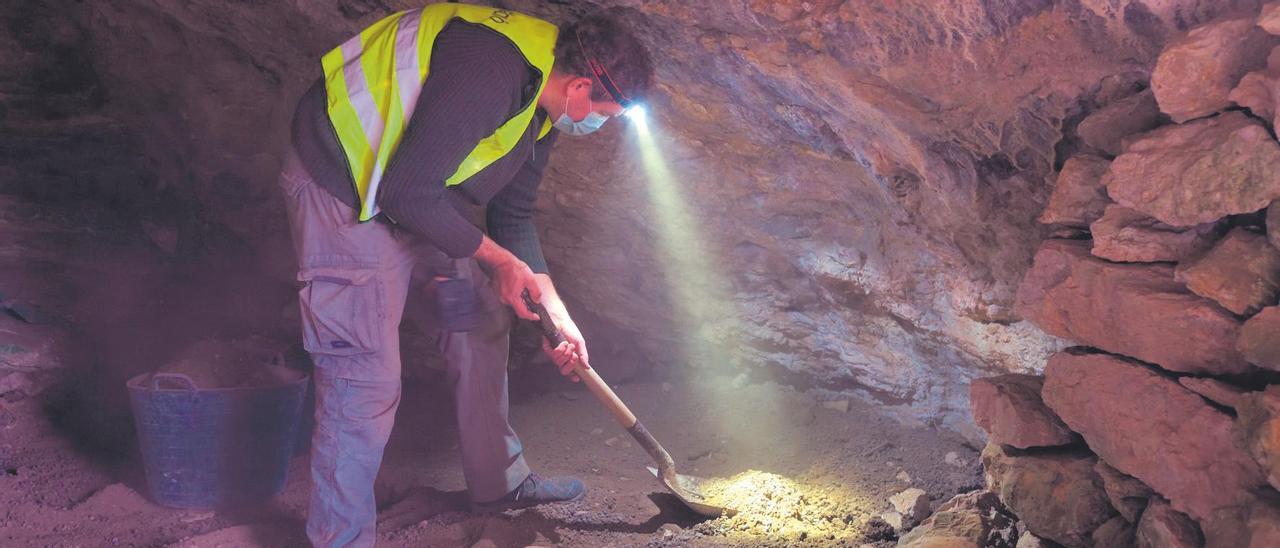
[(1106, 128), (971, 520), (1149, 427), (1010, 410), (1241, 272), (1134, 310), (1260, 339), (1196, 72), (1125, 235), (1078, 197), (1057, 495), (1195, 173)]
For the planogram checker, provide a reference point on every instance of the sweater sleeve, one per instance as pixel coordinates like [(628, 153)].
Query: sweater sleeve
[(509, 216), (472, 88)]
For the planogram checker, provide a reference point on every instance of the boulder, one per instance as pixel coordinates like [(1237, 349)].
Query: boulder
[(1115, 533), (1127, 494), (1273, 224), (1269, 19), (1259, 340), (1125, 235), (1150, 427), (912, 504), (1257, 430), (1071, 294), (1163, 527), (1195, 72), (1199, 172), (1214, 390), (1241, 272), (976, 519), (1253, 524), (1259, 91), (1009, 409), (1078, 195), (1106, 128), (1057, 495)]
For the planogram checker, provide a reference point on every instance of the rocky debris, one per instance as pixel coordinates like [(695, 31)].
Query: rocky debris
[(912, 504), (895, 520), (903, 476), (1125, 235), (1078, 195), (1148, 426), (954, 459), (1057, 495), (1199, 172), (1195, 73), (1105, 128), (1257, 430), (1259, 91), (1269, 19), (977, 519), (1214, 390), (219, 362), (1071, 294), (1241, 272), (1009, 409), (1163, 527), (1127, 494), (1260, 339)]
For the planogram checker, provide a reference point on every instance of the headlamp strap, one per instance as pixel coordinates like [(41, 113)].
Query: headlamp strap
[(602, 76)]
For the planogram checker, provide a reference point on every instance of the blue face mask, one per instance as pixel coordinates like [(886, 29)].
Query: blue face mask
[(588, 125)]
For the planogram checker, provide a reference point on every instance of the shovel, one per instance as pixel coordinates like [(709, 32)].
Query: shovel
[(683, 487)]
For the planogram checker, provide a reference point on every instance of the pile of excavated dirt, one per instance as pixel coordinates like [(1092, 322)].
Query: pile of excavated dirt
[(770, 505), (219, 362)]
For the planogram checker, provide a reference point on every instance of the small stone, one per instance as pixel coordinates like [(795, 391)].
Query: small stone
[(597, 431), (666, 387), (1125, 235), (1106, 128), (903, 476), (1028, 540), (1195, 72), (571, 396), (1165, 527), (612, 442), (1241, 272), (913, 504), (839, 405), (954, 460), (1078, 196), (1259, 340), (894, 520)]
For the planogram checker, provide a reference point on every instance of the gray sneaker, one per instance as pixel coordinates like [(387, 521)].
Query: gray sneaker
[(534, 490)]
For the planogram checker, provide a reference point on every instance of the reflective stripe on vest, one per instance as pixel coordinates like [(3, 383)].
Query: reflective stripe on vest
[(374, 79)]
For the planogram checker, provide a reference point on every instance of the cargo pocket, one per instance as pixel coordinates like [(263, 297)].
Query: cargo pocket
[(342, 310)]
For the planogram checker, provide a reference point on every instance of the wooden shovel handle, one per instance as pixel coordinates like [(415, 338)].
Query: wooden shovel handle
[(589, 376)]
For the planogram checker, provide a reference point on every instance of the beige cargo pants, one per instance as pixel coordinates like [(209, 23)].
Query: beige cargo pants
[(355, 281)]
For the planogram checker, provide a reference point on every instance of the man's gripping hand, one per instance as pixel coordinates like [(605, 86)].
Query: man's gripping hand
[(510, 276)]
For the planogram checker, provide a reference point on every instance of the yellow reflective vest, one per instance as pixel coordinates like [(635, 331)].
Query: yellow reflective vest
[(374, 79)]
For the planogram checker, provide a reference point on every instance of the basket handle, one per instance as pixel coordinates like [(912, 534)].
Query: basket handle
[(179, 378)]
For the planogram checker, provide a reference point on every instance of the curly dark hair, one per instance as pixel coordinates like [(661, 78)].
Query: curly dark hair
[(607, 41)]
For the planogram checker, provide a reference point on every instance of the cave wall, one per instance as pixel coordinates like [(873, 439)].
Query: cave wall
[(865, 175)]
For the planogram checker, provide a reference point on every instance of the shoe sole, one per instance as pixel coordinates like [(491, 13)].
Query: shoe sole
[(477, 509)]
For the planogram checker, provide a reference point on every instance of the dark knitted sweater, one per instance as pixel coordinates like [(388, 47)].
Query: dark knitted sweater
[(477, 80)]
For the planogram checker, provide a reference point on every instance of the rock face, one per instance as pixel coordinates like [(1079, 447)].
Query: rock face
[(1106, 128), (1198, 172), (1127, 494), (1258, 430), (976, 519), (1010, 410), (1078, 196), (1196, 72), (1070, 294), (1149, 427), (1057, 495), (1124, 235), (1260, 339), (1241, 272)]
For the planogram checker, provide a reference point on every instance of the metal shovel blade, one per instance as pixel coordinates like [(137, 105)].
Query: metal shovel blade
[(686, 488)]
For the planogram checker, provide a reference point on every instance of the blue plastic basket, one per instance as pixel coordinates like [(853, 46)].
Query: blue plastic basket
[(207, 448)]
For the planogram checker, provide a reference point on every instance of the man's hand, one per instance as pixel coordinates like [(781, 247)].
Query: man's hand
[(572, 353), (510, 277)]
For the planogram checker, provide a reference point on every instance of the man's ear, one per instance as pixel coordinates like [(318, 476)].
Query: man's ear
[(579, 85)]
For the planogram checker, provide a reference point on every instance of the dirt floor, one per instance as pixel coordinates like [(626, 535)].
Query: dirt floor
[(820, 476)]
